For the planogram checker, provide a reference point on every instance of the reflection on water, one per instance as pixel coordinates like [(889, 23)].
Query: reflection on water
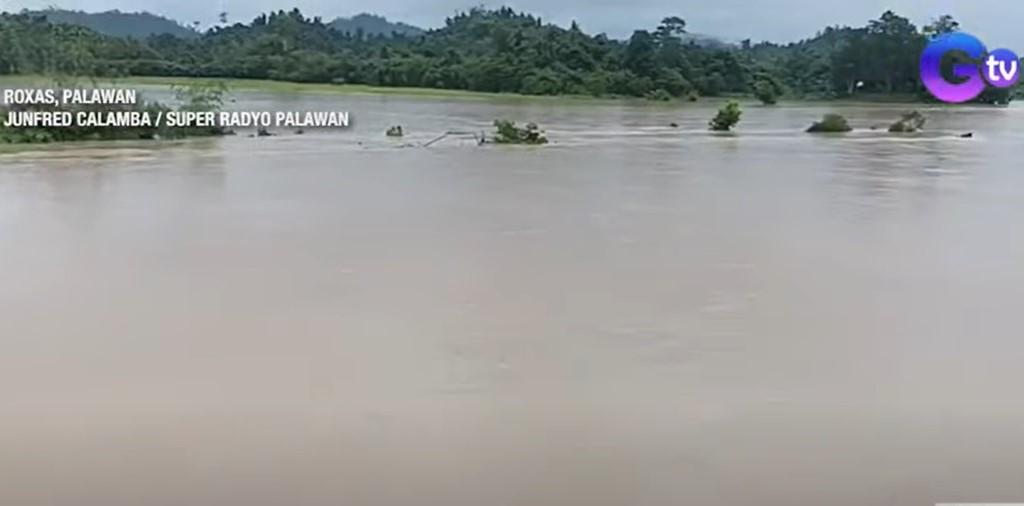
[(636, 314)]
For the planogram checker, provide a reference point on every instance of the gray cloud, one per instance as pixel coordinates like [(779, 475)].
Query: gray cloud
[(995, 21)]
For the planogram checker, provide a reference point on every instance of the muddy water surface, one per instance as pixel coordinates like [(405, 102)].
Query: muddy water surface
[(633, 315)]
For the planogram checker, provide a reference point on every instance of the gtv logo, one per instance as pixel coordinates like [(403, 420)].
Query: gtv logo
[(999, 68)]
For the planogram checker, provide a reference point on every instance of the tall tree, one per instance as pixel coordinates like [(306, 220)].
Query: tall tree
[(942, 25)]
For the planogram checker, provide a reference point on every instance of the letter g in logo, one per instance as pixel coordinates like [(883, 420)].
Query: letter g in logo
[(931, 68)]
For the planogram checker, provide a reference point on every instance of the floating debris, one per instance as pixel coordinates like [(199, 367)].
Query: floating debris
[(911, 122), (480, 138)]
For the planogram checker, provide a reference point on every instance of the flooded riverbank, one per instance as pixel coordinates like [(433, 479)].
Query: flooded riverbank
[(634, 314)]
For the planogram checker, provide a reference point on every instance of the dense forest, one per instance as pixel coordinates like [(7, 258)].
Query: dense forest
[(495, 51)]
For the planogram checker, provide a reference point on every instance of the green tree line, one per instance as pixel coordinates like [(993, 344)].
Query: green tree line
[(499, 50)]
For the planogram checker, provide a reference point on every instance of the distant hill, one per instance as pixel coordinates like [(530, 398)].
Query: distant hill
[(121, 24), (374, 25)]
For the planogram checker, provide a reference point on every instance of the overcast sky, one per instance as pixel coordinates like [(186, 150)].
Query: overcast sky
[(997, 22)]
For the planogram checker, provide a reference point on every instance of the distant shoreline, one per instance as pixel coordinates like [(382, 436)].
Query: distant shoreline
[(237, 84), (289, 87)]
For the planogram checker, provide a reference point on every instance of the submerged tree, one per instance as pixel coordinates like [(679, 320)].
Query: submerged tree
[(910, 122), (201, 95), (508, 133), (728, 116), (765, 92), (830, 123), (658, 95)]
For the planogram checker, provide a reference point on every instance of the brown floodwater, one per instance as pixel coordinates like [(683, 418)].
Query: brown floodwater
[(633, 315)]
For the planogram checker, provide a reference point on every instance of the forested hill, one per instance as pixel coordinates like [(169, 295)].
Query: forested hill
[(496, 51), (117, 23), (370, 24)]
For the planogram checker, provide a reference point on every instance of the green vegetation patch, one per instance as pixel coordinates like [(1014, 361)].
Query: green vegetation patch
[(830, 123), (728, 116), (497, 51), (508, 133)]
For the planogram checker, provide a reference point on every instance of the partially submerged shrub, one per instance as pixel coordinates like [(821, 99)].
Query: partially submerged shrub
[(910, 122), (728, 116), (831, 123), (509, 133), (659, 95), (766, 93), (201, 96)]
